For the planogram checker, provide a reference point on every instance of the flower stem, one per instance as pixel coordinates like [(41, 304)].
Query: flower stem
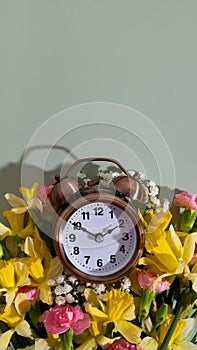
[(67, 340), (180, 307)]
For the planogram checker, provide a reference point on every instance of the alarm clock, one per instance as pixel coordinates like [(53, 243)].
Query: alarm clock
[(98, 234)]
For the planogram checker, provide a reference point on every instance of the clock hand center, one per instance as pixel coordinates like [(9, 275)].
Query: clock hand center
[(99, 237)]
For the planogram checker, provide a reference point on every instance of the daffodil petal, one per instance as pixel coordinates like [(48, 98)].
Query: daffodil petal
[(15, 201), (29, 193), (129, 331), (19, 210), (184, 346), (22, 304), (4, 231), (89, 344), (45, 293), (97, 315), (174, 242), (189, 247), (55, 268), (10, 295), (10, 316), (93, 299), (23, 329), (35, 203), (104, 342), (149, 343), (189, 331), (5, 339), (129, 313)]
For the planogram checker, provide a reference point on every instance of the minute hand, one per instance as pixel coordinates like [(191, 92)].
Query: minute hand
[(110, 230)]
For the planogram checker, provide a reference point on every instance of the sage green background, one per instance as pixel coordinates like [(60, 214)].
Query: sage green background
[(60, 53)]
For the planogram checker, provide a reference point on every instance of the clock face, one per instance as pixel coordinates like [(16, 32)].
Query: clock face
[(99, 240)]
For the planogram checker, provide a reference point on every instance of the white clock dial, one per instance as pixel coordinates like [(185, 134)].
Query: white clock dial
[(99, 238)]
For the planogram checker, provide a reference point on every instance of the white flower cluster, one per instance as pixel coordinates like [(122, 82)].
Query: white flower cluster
[(68, 289)]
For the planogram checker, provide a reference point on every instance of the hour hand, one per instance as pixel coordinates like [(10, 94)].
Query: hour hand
[(85, 230), (110, 230)]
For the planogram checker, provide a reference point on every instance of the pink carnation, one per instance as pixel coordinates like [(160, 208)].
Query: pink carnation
[(32, 293), (43, 192), (186, 200), (122, 344), (59, 319), (147, 279)]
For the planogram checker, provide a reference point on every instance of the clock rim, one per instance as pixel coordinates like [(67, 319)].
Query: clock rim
[(95, 196)]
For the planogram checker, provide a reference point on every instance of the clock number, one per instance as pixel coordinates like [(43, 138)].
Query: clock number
[(77, 225), (98, 211), (111, 213), (72, 237), (121, 223), (76, 250), (85, 215), (122, 249), (112, 259), (125, 236), (87, 257), (99, 262)]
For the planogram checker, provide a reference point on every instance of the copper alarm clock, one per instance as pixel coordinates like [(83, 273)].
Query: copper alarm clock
[(98, 234)]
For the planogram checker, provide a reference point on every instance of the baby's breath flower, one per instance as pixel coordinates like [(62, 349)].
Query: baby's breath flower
[(126, 283), (154, 190), (80, 288), (60, 279), (99, 288), (66, 288), (60, 300), (58, 290), (51, 283), (72, 280), (151, 183), (70, 299)]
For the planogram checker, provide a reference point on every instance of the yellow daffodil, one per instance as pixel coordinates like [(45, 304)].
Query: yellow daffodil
[(180, 340), (14, 273), (93, 337), (16, 323), (118, 309), (22, 205), (155, 225), (43, 267), (16, 222), (169, 256)]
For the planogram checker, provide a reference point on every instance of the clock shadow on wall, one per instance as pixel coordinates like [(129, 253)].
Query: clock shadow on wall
[(10, 178)]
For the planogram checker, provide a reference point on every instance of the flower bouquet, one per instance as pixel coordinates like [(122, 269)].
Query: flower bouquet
[(43, 307)]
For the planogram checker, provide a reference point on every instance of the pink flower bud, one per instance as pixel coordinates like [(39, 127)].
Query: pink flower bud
[(59, 319), (32, 293), (43, 192), (186, 200), (146, 280)]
